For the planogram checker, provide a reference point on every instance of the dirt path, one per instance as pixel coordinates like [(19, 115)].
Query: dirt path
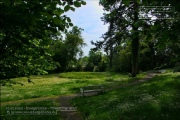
[(145, 79), (65, 102)]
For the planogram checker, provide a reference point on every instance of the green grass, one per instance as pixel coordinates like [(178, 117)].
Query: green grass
[(7, 111), (51, 87), (158, 99), (85, 75)]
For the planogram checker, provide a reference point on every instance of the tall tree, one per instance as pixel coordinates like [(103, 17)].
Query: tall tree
[(74, 43), (123, 19), (135, 39), (68, 51), (95, 57), (124, 25), (27, 28)]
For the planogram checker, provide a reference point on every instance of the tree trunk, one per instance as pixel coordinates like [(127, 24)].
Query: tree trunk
[(110, 57), (135, 42)]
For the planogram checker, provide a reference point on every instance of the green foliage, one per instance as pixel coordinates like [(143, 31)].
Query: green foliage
[(102, 65), (82, 2), (123, 25), (27, 29), (176, 69), (126, 2), (66, 8), (154, 43), (96, 62), (89, 67), (66, 53), (122, 61), (147, 59), (95, 57), (77, 4)]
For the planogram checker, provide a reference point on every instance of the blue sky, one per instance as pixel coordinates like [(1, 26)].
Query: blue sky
[(87, 17)]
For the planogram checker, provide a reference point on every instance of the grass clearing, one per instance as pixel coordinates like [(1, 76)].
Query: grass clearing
[(157, 99), (53, 86), (85, 75)]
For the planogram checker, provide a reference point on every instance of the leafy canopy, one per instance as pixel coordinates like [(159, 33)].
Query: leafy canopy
[(27, 28)]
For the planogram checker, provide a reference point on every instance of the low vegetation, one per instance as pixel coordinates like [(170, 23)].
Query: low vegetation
[(18, 92), (157, 99), (57, 84)]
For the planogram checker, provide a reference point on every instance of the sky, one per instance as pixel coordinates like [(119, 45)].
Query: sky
[(88, 17)]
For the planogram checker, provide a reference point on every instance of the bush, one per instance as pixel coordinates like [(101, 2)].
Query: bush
[(122, 62), (89, 67), (176, 69), (102, 66)]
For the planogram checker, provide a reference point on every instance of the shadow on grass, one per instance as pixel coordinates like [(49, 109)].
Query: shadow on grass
[(10, 83), (44, 76), (157, 99), (33, 111)]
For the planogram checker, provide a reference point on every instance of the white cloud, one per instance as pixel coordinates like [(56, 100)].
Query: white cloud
[(87, 17)]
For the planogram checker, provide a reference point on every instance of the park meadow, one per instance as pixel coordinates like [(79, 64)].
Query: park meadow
[(89, 60), (154, 99)]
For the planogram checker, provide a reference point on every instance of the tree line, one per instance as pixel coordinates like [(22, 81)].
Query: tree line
[(31, 39), (27, 30), (133, 43)]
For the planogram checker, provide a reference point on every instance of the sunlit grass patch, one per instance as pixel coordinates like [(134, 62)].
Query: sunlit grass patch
[(53, 85), (42, 87), (85, 75)]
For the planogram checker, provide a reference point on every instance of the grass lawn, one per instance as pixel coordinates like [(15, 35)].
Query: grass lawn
[(158, 99), (51, 87), (59, 84)]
